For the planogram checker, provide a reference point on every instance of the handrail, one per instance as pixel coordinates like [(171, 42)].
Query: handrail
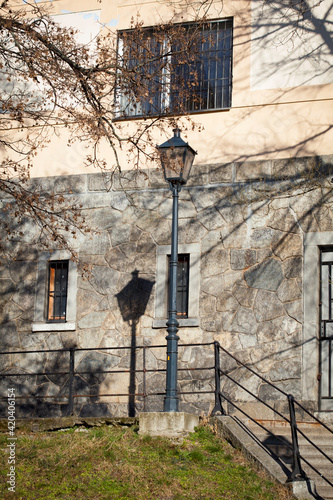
[(317, 471), (256, 397), (252, 371), (314, 445), (314, 417), (72, 372), (77, 349), (256, 422), (297, 471), (272, 385), (289, 446)]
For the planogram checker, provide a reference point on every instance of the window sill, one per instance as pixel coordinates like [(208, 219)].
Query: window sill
[(120, 118), (53, 327), (186, 322)]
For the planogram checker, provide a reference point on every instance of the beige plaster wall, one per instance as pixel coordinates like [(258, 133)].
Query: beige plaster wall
[(282, 83), (291, 47)]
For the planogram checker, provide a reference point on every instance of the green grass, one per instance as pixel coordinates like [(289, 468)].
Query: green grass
[(116, 463)]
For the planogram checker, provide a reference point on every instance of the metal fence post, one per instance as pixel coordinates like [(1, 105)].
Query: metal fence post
[(297, 472), (218, 402), (71, 382), (144, 377)]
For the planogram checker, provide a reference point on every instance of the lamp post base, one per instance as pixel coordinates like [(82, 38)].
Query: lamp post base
[(170, 403), (170, 425)]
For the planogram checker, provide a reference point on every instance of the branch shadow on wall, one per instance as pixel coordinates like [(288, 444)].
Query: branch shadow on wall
[(291, 50), (34, 375), (132, 302)]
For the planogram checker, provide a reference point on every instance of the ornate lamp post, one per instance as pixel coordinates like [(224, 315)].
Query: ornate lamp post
[(176, 158)]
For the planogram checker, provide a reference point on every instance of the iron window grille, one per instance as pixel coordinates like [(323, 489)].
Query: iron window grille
[(182, 294), (202, 83), (57, 291), (326, 323)]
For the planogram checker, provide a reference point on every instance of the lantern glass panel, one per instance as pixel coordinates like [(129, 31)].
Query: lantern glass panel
[(173, 163), (188, 162)]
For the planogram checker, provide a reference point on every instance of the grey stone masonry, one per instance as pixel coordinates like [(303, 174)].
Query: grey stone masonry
[(249, 220)]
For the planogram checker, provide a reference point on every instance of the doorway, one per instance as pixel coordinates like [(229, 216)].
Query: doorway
[(326, 330)]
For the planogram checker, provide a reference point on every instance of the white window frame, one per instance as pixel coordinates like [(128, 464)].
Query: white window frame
[(311, 296), (165, 95), (40, 316), (162, 272)]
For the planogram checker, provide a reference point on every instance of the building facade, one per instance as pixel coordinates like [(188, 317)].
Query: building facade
[(255, 237)]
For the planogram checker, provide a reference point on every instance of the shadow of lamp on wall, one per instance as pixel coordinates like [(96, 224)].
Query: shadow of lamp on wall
[(132, 302)]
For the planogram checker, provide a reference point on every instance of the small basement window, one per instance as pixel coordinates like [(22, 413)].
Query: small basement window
[(188, 273), (182, 284), (57, 291)]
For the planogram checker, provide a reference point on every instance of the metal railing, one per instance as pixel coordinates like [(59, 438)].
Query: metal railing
[(71, 372), (220, 395), (297, 470)]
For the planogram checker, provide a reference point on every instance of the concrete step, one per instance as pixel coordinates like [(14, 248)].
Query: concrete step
[(308, 449), (276, 436), (320, 441), (310, 452), (237, 433), (284, 426), (285, 432), (326, 492)]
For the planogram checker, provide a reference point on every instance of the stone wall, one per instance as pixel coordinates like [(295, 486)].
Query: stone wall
[(249, 220)]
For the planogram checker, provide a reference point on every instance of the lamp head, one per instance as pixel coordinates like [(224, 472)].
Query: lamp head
[(177, 158)]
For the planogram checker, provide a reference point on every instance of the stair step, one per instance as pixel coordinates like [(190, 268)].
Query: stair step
[(326, 493), (317, 461), (277, 438), (308, 451), (325, 470), (285, 431), (282, 425), (323, 487)]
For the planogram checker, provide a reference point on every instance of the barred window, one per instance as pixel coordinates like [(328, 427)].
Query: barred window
[(326, 327), (187, 296), (57, 291), (182, 284), (210, 72), (171, 82)]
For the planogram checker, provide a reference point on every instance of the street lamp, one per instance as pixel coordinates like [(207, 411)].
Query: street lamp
[(176, 158)]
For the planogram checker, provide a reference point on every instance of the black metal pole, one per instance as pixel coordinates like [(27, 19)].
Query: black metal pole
[(171, 398), (144, 378), (298, 473), (218, 403), (71, 382)]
